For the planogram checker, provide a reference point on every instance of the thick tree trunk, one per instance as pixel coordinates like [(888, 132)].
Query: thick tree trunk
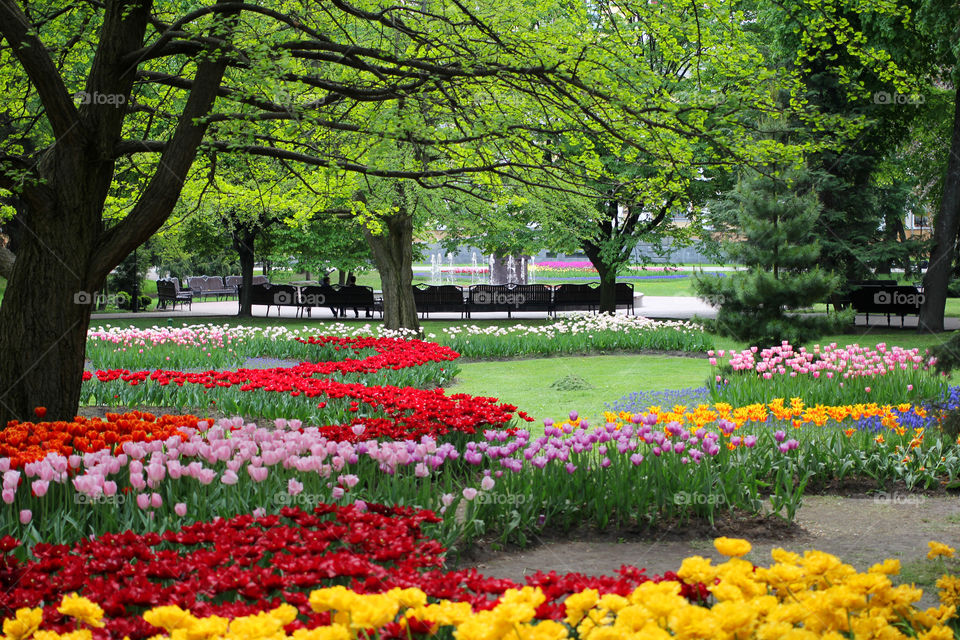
[(608, 288), (243, 242), (43, 322), (608, 278), (393, 254), (945, 230)]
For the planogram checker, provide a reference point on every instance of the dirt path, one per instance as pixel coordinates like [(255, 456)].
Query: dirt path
[(860, 531)]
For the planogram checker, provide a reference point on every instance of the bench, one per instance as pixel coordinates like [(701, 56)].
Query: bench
[(576, 297), (307, 297), (168, 290), (203, 286), (273, 295), (624, 296), (440, 299), (356, 297), (887, 300)]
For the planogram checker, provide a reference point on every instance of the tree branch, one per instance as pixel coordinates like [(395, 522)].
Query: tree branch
[(32, 55)]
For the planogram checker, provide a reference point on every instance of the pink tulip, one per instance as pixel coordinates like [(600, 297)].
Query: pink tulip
[(469, 493), (143, 501), (40, 487), (180, 509), (26, 516)]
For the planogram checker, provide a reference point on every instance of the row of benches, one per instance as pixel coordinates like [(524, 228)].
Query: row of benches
[(446, 298), (205, 286)]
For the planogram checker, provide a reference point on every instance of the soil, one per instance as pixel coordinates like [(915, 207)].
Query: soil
[(860, 530)]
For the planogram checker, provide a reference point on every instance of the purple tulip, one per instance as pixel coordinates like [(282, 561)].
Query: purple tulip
[(779, 435), (750, 441)]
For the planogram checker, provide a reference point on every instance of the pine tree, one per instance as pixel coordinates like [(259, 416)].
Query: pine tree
[(774, 221)]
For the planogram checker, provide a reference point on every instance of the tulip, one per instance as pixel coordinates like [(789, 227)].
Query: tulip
[(180, 509)]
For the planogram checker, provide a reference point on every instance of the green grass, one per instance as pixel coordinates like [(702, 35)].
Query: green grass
[(925, 573), (527, 383)]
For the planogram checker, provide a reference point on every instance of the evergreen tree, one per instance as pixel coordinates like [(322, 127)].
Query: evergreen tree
[(774, 220)]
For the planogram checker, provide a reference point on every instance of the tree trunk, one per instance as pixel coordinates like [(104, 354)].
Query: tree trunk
[(393, 254), (608, 278), (44, 319), (945, 230), (243, 242), (608, 288)]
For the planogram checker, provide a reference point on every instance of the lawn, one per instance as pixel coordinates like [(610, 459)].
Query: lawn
[(536, 386)]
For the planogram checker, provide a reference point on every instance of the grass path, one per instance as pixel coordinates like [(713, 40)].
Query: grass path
[(527, 383)]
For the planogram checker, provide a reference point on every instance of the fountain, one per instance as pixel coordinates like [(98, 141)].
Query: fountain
[(532, 272), (434, 270), (450, 273), (511, 268), (474, 274), (490, 275)]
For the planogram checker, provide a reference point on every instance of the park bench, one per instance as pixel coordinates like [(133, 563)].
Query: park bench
[(439, 299), (356, 297), (168, 290), (885, 297), (576, 297), (273, 295), (208, 286)]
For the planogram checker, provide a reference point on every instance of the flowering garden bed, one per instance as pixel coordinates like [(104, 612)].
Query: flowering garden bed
[(364, 422)]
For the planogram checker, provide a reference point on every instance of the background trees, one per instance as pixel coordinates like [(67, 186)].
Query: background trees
[(774, 238)]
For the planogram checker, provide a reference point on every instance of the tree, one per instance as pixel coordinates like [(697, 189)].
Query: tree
[(775, 222), (314, 85)]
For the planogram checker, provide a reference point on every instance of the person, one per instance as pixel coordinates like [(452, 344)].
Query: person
[(352, 282), (328, 292)]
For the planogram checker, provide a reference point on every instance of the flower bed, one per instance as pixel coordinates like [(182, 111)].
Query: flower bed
[(693, 462), (210, 346), (311, 391), (576, 333), (245, 565), (827, 375), (814, 596), (24, 442)]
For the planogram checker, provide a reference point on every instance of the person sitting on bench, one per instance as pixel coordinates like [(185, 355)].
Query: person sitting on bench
[(352, 282), (329, 293)]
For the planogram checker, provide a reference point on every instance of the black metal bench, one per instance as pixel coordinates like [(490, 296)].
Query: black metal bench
[(623, 296), (273, 295), (355, 297), (576, 297), (888, 300), (439, 299), (168, 290)]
